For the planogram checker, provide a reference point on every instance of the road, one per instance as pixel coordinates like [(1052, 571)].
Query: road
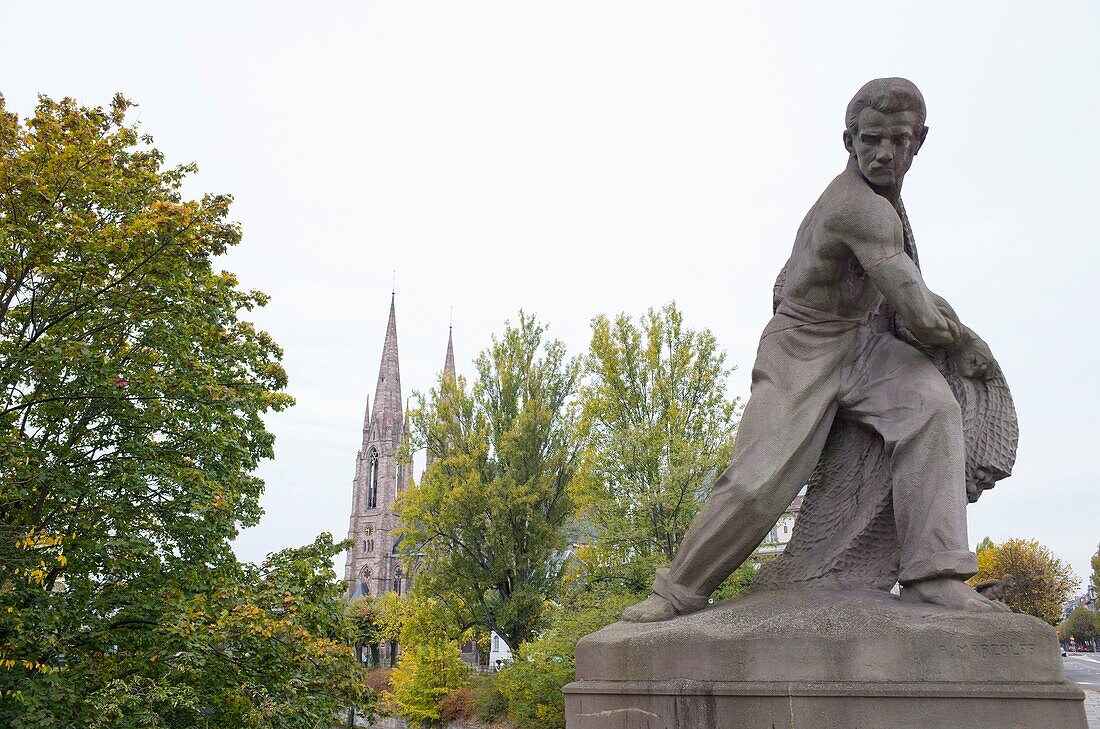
[(1084, 668)]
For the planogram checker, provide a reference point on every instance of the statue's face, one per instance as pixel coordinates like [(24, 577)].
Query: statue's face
[(885, 144)]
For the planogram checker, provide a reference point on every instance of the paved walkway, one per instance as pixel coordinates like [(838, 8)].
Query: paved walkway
[(1092, 708)]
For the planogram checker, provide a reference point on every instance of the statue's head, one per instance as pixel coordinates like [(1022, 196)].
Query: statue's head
[(885, 129)]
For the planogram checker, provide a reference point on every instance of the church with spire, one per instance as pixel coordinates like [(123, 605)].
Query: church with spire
[(373, 566)]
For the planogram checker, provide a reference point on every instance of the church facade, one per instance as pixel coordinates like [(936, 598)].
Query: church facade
[(373, 565)]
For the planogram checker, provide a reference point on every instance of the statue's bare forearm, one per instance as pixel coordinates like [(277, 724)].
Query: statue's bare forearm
[(967, 336), (926, 315)]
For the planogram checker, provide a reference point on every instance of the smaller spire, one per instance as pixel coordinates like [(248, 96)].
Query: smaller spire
[(449, 361), (448, 374)]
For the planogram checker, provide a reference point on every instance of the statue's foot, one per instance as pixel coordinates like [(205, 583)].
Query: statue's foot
[(650, 610), (951, 593)]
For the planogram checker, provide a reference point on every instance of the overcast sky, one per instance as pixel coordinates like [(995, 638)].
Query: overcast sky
[(573, 158)]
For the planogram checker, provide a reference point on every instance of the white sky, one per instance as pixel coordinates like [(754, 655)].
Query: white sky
[(573, 158)]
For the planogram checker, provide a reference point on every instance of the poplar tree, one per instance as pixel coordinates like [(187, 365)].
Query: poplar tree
[(658, 427), (485, 523)]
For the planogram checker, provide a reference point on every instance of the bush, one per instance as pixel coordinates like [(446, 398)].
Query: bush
[(532, 684), (532, 687), (378, 680), (489, 702), (458, 704)]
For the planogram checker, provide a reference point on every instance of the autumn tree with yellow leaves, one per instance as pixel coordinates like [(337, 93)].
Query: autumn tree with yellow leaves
[(430, 665), (1042, 583)]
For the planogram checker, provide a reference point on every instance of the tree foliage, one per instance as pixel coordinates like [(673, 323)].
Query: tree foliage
[(486, 518), (131, 404), (737, 582), (370, 621), (658, 427), (430, 666), (532, 683), (262, 647), (1082, 625), (361, 626), (392, 612), (1043, 582)]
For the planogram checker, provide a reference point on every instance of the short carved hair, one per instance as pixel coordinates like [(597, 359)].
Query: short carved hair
[(888, 95)]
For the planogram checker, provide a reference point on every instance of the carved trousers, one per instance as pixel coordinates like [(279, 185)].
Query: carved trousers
[(809, 370)]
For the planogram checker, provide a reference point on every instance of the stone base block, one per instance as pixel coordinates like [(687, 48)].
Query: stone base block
[(709, 705), (824, 659)]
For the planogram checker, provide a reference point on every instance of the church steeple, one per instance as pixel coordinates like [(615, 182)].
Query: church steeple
[(387, 418), (379, 476), (449, 360)]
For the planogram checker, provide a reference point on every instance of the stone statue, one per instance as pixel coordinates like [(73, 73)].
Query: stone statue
[(866, 387), (868, 390)]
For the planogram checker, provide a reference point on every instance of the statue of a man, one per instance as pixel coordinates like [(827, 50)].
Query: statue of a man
[(819, 359)]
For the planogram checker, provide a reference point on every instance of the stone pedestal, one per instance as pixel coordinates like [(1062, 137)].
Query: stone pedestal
[(824, 659)]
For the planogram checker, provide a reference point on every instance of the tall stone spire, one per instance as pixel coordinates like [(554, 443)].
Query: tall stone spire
[(388, 414), (379, 476)]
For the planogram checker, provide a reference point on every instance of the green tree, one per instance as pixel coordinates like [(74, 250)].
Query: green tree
[(983, 545), (392, 612), (263, 646), (658, 427), (372, 620), (131, 404), (1082, 625), (430, 666), (361, 625), (486, 518), (1043, 582)]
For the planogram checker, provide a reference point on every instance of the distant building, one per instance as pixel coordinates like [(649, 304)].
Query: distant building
[(499, 652), (373, 565), (780, 535), (1085, 600)]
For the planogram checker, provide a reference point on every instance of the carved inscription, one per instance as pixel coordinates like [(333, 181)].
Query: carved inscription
[(987, 650)]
